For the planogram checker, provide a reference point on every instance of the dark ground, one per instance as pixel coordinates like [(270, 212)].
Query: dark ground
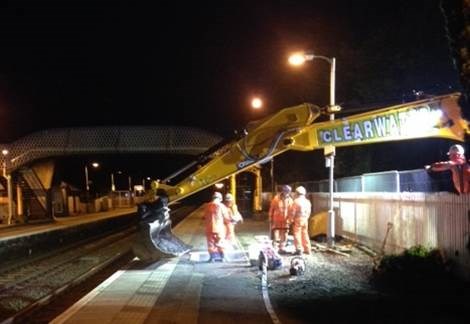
[(338, 289)]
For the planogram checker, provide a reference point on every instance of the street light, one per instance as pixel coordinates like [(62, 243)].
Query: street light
[(298, 59), (9, 188), (256, 103), (87, 182), (143, 181), (113, 186)]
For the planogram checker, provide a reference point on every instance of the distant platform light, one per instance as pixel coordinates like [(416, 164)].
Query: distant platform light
[(219, 185)]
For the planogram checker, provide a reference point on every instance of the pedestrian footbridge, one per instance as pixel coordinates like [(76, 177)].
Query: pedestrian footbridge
[(109, 140)]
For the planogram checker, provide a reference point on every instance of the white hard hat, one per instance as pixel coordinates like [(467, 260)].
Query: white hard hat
[(456, 149), (228, 197), (217, 195), (300, 190)]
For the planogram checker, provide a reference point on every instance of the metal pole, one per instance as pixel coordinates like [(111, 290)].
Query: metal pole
[(130, 184), (10, 199), (331, 211), (273, 193), (113, 186), (86, 179), (273, 189), (9, 192)]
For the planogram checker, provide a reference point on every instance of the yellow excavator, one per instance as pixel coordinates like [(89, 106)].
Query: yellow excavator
[(292, 129)]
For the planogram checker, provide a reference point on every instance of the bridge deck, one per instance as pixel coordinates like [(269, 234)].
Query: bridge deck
[(180, 290)]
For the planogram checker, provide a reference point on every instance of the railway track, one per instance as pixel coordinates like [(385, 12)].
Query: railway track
[(29, 286), (36, 283)]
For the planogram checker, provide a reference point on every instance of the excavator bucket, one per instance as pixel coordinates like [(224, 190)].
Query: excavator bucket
[(154, 237)]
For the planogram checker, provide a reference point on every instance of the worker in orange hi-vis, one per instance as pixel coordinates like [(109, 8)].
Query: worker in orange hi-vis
[(233, 218), (214, 214), (279, 217), (299, 215), (459, 167)]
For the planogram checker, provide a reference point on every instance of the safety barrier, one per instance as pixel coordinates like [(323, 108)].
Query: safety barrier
[(417, 180), (438, 220)]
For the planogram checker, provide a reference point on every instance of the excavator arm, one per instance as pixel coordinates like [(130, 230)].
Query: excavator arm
[(264, 139), (294, 129)]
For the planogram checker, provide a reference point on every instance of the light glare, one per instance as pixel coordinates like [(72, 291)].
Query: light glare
[(297, 59), (256, 103)]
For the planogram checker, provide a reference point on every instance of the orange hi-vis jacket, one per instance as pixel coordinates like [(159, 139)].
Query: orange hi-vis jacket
[(279, 211), (460, 173), (214, 215), (300, 213)]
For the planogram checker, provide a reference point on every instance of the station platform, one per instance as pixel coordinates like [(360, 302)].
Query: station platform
[(185, 289), (8, 232), (18, 241)]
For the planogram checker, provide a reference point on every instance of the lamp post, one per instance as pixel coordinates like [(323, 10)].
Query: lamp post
[(87, 181), (129, 181), (113, 186), (9, 187), (299, 59), (256, 104), (143, 181)]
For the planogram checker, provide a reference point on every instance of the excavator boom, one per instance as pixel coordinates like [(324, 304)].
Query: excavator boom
[(293, 129)]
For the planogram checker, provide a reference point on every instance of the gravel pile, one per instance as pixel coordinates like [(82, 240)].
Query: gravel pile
[(338, 289), (327, 275)]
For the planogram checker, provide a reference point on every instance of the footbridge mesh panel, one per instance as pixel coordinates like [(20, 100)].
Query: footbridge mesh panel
[(90, 140)]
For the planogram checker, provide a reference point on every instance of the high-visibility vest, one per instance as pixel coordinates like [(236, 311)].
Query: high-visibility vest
[(214, 215), (279, 209)]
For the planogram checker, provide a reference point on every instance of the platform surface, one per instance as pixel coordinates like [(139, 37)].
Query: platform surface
[(17, 231), (185, 289)]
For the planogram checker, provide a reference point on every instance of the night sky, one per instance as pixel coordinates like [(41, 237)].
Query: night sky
[(197, 63)]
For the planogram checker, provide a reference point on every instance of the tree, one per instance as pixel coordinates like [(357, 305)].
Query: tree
[(457, 25)]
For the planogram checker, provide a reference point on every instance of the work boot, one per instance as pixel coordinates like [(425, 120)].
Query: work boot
[(222, 258), (212, 257)]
